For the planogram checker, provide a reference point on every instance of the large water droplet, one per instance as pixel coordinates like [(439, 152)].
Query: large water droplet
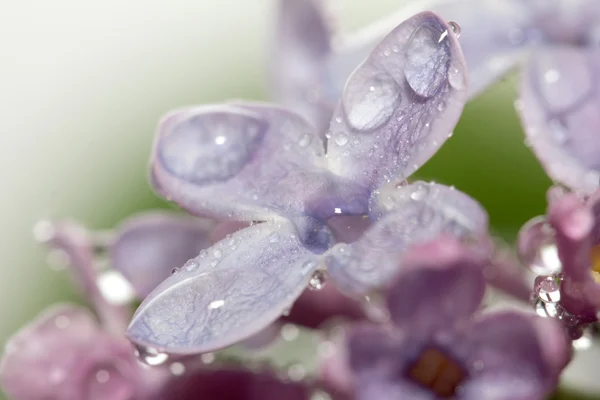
[(317, 280), (150, 356), (427, 60), (547, 289), (211, 146), (191, 265), (537, 247), (370, 98), (340, 138)]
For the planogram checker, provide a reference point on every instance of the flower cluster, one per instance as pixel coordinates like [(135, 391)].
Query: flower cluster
[(301, 213)]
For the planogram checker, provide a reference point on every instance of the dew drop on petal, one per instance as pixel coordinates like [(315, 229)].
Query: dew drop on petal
[(426, 66), (537, 247), (150, 356), (340, 138), (174, 270), (191, 265), (455, 28), (305, 140), (547, 289), (274, 237), (317, 280), (369, 101)]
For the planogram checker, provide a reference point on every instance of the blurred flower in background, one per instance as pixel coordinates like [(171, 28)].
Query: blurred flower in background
[(84, 86)]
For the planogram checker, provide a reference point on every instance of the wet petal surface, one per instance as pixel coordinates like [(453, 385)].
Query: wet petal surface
[(406, 215), (229, 292), (246, 161), (560, 94), (400, 105)]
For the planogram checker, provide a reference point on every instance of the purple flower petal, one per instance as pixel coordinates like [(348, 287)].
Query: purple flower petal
[(348, 228), (64, 355), (302, 43), (494, 37), (573, 222), (229, 292), (400, 105), (76, 243), (247, 162), (560, 102), (415, 213), (442, 283), (232, 384), (314, 307), (513, 362), (149, 246)]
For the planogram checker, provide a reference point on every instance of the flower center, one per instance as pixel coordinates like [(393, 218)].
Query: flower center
[(595, 260), (437, 372)]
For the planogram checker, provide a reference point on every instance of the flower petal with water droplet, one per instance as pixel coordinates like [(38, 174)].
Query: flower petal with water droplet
[(398, 107), (233, 294), (148, 246), (495, 36), (370, 262), (302, 44), (560, 93), (246, 161)]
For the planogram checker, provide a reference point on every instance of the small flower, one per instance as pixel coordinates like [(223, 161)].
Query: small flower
[(564, 249), (438, 346), (267, 166), (556, 40)]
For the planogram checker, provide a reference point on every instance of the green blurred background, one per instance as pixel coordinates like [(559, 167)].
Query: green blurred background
[(84, 83)]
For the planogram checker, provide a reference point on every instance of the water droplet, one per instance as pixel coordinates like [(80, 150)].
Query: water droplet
[(286, 312), (340, 139), (427, 58), (174, 270), (537, 247), (177, 368), (455, 28), (338, 119), (115, 288), (419, 192), (567, 318), (207, 358), (289, 332), (191, 265), (317, 280), (451, 134), (545, 310), (274, 237), (305, 140), (368, 109), (210, 145), (150, 356), (547, 289), (203, 254), (456, 78), (217, 253), (440, 107)]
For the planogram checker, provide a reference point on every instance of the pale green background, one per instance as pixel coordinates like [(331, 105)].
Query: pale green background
[(82, 85)]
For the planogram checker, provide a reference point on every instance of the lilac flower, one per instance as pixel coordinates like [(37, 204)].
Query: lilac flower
[(266, 165), (559, 101), (563, 249), (67, 353), (437, 347)]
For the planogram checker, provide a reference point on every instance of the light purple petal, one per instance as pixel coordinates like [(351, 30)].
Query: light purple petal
[(508, 349), (415, 213), (573, 222), (302, 43), (442, 284), (400, 105), (247, 161), (560, 96), (494, 38), (149, 246), (228, 293), (77, 245), (348, 228), (64, 355)]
